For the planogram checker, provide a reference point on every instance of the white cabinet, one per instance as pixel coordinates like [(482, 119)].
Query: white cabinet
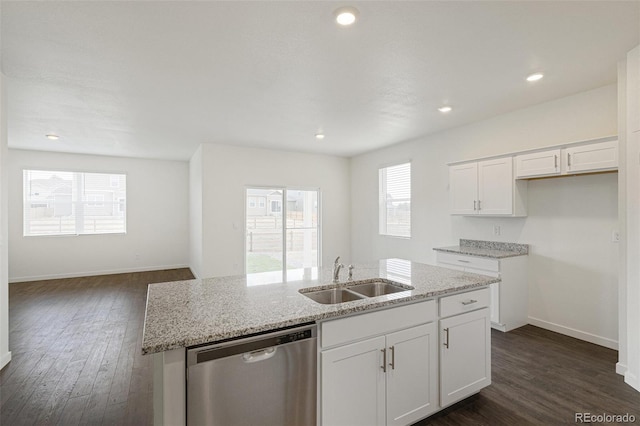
[(485, 188), (509, 298), (389, 379), (590, 158), (412, 374), (538, 164), (465, 355), (582, 158), (353, 384)]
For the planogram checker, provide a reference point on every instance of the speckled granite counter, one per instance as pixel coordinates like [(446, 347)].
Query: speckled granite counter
[(187, 313), (492, 249)]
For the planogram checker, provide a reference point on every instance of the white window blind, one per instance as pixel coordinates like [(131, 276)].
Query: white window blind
[(73, 203), (395, 200)]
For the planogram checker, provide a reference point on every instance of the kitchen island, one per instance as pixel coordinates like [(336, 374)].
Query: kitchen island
[(189, 313)]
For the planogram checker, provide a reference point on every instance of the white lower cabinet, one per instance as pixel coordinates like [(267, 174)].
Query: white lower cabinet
[(389, 379), (465, 355)]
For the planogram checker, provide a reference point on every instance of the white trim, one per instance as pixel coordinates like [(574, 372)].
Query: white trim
[(4, 359), (631, 380), (572, 332), (621, 368), (94, 273)]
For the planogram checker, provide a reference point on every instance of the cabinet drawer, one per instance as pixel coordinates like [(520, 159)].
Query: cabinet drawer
[(358, 327), (464, 302), (473, 262)]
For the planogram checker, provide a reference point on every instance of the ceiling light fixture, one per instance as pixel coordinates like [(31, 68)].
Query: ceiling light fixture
[(535, 77), (52, 137), (346, 16), (445, 108), (319, 136)]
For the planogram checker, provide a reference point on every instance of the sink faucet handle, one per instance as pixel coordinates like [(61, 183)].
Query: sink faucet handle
[(350, 272), (335, 262)]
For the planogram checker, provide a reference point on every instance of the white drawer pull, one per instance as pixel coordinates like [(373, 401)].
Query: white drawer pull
[(469, 302), (464, 261)]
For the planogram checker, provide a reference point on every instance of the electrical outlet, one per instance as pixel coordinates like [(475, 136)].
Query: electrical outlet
[(496, 230), (615, 237)]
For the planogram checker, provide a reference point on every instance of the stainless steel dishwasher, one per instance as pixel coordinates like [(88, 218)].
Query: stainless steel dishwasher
[(268, 379)]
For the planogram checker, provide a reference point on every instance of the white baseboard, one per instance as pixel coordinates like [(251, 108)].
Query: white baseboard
[(632, 380), (93, 273), (578, 334), (4, 359), (621, 369)]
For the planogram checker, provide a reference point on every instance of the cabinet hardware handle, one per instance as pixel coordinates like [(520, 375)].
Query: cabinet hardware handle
[(384, 360), (446, 335), (464, 261), (479, 205), (474, 205), (555, 161), (393, 357), (569, 159), (469, 302)]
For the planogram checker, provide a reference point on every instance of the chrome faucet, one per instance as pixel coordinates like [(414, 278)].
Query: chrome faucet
[(336, 269)]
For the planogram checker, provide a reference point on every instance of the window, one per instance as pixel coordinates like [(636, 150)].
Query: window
[(73, 203), (395, 200), (287, 235), (252, 202)]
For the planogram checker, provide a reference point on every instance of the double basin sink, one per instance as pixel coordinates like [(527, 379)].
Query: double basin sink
[(355, 290)]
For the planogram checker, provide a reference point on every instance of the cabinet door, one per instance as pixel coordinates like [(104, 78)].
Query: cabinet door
[(463, 188), (353, 384), (465, 355), (495, 303), (592, 157), (495, 186), (545, 163), (412, 374)]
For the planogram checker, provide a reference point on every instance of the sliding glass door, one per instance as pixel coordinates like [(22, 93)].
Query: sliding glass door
[(282, 229)]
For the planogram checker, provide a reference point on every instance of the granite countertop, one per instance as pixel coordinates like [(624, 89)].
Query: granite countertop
[(187, 313), (491, 249)]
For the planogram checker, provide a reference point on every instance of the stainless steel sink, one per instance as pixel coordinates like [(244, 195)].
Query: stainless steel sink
[(354, 290), (333, 295), (377, 288)]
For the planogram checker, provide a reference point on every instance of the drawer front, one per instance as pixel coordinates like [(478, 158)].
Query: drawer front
[(471, 262), (464, 302), (358, 327)]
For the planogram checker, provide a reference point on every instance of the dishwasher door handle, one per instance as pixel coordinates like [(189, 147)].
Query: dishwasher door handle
[(257, 356)]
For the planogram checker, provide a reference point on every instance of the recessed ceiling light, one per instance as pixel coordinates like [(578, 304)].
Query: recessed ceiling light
[(445, 108), (346, 16), (319, 136), (52, 137), (535, 77)]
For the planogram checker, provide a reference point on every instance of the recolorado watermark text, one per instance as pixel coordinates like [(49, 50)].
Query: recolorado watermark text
[(604, 418)]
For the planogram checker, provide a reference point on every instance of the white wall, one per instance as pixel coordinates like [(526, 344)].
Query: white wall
[(195, 212), (228, 170), (157, 220), (5, 355), (572, 261), (630, 125)]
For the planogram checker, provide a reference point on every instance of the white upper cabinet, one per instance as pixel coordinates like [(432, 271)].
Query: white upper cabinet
[(590, 158), (544, 163), (485, 188), (463, 182), (583, 158)]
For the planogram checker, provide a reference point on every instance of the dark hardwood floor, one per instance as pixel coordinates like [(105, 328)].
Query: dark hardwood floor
[(75, 347), (76, 360)]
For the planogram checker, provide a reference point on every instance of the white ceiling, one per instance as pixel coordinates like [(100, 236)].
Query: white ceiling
[(156, 79)]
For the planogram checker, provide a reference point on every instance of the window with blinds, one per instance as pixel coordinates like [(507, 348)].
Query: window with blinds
[(395, 200), (73, 203)]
